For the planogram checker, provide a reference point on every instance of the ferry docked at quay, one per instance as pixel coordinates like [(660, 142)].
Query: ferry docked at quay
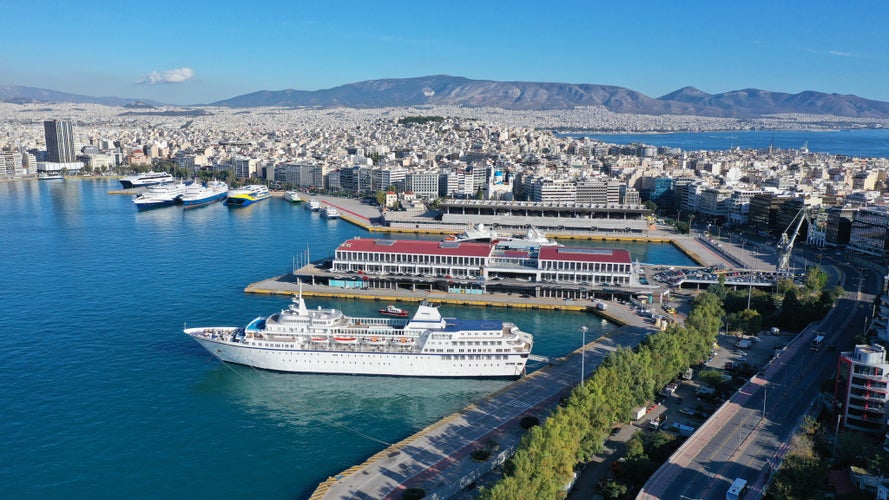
[(160, 195), (302, 340), (247, 195), (198, 194), (146, 179)]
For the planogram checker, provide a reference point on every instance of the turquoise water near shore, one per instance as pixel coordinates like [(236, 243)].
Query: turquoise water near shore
[(103, 396)]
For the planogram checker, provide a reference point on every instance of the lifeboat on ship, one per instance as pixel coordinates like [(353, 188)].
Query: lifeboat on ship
[(345, 340), (322, 339)]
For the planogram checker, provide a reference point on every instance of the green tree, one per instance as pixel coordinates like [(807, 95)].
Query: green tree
[(381, 198), (614, 490), (749, 321), (711, 377), (816, 278), (650, 205)]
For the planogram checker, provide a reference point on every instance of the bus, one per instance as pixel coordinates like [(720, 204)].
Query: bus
[(817, 343)]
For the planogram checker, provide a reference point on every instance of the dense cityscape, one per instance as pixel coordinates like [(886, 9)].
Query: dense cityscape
[(442, 157)]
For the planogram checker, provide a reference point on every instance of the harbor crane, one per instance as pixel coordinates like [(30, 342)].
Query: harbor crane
[(785, 243)]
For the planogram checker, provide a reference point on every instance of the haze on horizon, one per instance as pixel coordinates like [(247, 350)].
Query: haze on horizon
[(190, 53)]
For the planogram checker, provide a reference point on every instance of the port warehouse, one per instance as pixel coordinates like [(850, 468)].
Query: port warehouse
[(561, 216), (477, 267)]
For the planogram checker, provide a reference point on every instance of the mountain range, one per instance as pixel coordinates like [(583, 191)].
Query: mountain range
[(459, 91)]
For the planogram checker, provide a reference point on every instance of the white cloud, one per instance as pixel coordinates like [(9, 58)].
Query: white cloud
[(178, 75), (840, 53)]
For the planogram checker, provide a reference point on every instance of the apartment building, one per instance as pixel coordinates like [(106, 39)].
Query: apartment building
[(862, 388)]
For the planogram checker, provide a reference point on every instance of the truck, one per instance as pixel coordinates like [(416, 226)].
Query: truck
[(601, 306), (688, 374), (639, 412), (736, 490)]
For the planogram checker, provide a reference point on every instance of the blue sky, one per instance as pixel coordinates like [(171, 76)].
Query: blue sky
[(187, 52)]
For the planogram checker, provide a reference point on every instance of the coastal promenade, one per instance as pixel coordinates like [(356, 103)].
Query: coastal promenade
[(438, 459)]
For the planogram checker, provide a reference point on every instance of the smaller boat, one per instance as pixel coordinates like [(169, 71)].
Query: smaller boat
[(319, 339), (50, 176), (345, 340), (376, 341), (391, 310), (312, 205), (293, 197), (329, 212)]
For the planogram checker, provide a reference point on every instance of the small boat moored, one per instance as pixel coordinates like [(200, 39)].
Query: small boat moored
[(391, 310), (293, 197)]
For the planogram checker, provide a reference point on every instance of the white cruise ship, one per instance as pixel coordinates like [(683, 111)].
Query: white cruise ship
[(312, 205), (303, 340), (146, 179)]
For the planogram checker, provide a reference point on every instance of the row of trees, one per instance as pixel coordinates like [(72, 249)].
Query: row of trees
[(628, 378)]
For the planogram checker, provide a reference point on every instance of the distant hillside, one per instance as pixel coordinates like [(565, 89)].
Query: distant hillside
[(458, 91), (22, 95)]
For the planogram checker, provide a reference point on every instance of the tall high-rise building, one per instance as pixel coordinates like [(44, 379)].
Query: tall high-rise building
[(59, 141)]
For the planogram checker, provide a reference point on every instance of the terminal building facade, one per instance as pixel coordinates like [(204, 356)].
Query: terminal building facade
[(482, 262)]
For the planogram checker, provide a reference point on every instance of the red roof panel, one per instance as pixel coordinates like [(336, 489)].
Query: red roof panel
[(422, 247), (585, 254)]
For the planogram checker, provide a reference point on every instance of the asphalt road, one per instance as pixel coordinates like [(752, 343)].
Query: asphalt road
[(750, 434)]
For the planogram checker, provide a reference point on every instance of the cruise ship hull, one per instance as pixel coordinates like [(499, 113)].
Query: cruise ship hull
[(151, 205), (363, 361)]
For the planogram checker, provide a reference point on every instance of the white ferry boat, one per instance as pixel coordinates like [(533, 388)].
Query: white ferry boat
[(146, 179), (329, 212), (293, 197), (198, 194), (312, 205), (162, 195), (303, 340)]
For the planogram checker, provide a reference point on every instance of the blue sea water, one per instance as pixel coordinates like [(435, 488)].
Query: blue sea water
[(103, 396), (865, 143)]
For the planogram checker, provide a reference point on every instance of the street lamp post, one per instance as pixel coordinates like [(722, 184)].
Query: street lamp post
[(583, 330)]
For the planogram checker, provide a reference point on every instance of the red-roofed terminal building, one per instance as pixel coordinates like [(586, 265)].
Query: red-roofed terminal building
[(485, 261)]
